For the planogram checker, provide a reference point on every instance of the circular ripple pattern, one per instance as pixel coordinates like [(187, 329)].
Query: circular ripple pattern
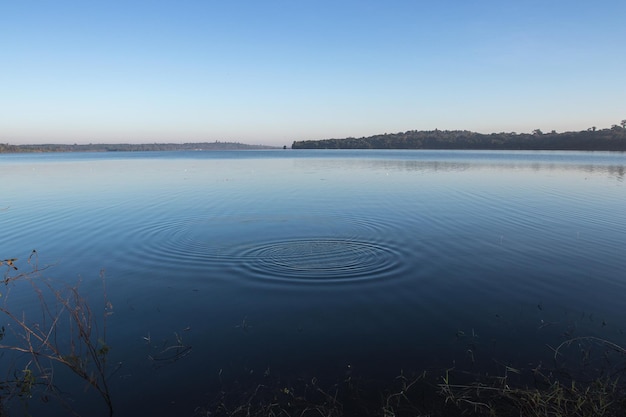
[(179, 242), (222, 247), (324, 260)]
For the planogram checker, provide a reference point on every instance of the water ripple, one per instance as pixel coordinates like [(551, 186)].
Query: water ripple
[(304, 257), (320, 260)]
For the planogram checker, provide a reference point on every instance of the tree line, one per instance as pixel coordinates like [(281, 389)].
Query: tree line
[(613, 139)]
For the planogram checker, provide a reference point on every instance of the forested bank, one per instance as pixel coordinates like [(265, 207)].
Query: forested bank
[(613, 139)]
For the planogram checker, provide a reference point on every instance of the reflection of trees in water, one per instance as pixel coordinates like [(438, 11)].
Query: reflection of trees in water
[(611, 171), (445, 162), (617, 172)]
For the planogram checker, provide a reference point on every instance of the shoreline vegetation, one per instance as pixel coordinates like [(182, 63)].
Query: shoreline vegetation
[(613, 139)]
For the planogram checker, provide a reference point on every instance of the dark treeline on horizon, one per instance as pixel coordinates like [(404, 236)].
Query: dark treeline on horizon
[(124, 147), (613, 139)]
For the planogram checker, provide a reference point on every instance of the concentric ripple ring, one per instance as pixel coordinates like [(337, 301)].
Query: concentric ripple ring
[(322, 259)]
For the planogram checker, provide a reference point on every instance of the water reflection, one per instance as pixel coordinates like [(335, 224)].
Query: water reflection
[(609, 164)]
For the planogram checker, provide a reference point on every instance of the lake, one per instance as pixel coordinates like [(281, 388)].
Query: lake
[(232, 268)]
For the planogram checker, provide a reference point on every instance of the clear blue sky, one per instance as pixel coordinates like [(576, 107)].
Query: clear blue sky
[(270, 72)]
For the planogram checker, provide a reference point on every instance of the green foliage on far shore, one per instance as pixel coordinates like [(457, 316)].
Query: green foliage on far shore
[(613, 139)]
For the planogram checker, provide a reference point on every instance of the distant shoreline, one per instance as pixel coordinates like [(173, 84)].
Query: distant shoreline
[(613, 139), (124, 147)]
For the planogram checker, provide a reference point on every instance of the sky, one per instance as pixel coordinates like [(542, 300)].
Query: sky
[(271, 72)]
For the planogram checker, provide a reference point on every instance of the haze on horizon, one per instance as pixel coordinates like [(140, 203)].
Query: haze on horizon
[(277, 71)]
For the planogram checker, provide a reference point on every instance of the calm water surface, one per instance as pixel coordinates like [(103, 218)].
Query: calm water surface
[(300, 263)]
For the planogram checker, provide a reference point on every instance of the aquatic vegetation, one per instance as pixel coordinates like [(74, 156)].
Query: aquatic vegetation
[(65, 333), (311, 397), (496, 397), (571, 386), (168, 353)]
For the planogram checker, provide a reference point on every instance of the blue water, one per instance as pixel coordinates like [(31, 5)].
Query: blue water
[(318, 263)]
